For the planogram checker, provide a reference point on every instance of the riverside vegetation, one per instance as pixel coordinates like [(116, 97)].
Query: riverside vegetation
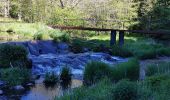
[(126, 86)]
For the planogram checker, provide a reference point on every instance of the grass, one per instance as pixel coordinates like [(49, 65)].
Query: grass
[(127, 70), (100, 91), (65, 77), (15, 76), (11, 55), (158, 68), (51, 78), (95, 71), (125, 90), (28, 31), (153, 88), (106, 90), (140, 47)]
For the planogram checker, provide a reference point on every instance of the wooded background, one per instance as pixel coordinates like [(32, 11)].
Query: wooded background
[(127, 14)]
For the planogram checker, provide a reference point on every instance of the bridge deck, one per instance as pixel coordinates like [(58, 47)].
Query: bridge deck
[(100, 29), (113, 32)]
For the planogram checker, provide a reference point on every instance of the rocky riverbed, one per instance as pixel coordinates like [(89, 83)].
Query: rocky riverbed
[(76, 62)]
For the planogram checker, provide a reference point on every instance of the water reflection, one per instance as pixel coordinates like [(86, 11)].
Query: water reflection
[(42, 92)]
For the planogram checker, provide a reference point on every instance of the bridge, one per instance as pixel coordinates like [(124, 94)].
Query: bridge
[(113, 32)]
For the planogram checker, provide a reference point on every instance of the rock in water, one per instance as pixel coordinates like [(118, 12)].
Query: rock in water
[(1, 92), (2, 83), (19, 88)]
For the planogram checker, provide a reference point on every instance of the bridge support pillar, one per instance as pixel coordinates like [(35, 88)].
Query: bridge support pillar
[(121, 38), (113, 38)]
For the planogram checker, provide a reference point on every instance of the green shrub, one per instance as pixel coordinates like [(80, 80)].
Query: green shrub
[(127, 70), (146, 54), (144, 92), (159, 86), (15, 76), (120, 51), (65, 77), (10, 55), (164, 91), (62, 38), (125, 90), (50, 78), (154, 82), (160, 68), (163, 51), (41, 36), (95, 71)]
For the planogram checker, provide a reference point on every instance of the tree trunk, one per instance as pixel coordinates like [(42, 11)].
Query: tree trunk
[(6, 9), (62, 4), (19, 11)]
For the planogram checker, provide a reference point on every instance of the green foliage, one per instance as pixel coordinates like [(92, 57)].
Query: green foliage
[(41, 35), (120, 51), (163, 51), (127, 70), (164, 91), (95, 71), (142, 50), (63, 38), (11, 54), (15, 76), (106, 90), (100, 91), (62, 14), (65, 77), (50, 78), (154, 82), (147, 49), (159, 68), (14, 11), (125, 90)]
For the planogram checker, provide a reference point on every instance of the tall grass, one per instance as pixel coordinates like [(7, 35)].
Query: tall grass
[(95, 71), (65, 77), (15, 76), (51, 78), (159, 68), (100, 91), (127, 70)]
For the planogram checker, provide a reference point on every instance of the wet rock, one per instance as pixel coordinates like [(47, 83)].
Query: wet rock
[(1, 92), (85, 50), (30, 84), (33, 48), (2, 83), (63, 46), (18, 88)]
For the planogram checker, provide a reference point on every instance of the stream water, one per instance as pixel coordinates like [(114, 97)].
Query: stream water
[(42, 92)]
